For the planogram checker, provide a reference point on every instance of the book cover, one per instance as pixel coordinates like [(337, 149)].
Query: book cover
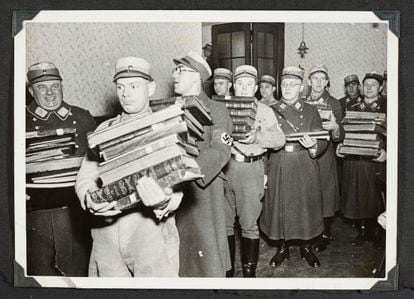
[(358, 151), (73, 162), (363, 136)]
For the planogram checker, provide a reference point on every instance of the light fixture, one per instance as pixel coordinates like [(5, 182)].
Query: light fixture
[(302, 47)]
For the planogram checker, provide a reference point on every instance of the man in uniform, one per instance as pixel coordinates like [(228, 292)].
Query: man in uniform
[(246, 170), (292, 208), (352, 92), (222, 81), (318, 80), (267, 89), (201, 220), (58, 240), (134, 243), (362, 198)]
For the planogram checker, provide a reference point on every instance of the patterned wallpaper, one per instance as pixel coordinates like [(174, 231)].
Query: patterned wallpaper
[(343, 47), (86, 54)]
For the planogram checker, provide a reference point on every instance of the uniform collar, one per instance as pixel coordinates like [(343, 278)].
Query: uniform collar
[(282, 105), (322, 98), (62, 112), (272, 101)]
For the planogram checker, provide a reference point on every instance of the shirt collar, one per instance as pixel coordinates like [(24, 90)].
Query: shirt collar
[(62, 112), (282, 105)]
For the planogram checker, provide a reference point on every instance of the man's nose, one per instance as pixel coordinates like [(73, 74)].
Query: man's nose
[(126, 91), (49, 91)]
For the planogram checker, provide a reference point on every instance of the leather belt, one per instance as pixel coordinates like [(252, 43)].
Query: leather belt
[(241, 158), (293, 147)]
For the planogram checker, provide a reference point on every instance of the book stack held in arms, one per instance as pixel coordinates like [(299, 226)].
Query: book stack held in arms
[(242, 111), (324, 109), (158, 145), (50, 158), (365, 133)]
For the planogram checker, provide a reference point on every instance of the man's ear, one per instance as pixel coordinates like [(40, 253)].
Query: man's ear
[(31, 90), (230, 85), (273, 88), (151, 88), (255, 88), (302, 87)]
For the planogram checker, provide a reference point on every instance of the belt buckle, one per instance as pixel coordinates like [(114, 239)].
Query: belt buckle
[(289, 148)]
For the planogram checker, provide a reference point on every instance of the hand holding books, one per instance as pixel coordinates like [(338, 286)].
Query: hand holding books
[(382, 156), (99, 209), (330, 124), (309, 143), (251, 136)]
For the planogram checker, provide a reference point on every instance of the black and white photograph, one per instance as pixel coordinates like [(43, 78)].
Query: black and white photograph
[(206, 149)]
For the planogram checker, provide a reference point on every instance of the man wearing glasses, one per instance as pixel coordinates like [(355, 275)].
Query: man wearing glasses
[(292, 208), (201, 220), (57, 234)]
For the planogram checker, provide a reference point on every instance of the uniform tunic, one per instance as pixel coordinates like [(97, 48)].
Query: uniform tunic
[(327, 160), (200, 220), (133, 243), (347, 103), (292, 208), (360, 192), (58, 238)]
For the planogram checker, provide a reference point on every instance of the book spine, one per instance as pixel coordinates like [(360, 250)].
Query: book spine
[(47, 133)]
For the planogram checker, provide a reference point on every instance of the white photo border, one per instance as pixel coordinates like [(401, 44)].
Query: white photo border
[(207, 16)]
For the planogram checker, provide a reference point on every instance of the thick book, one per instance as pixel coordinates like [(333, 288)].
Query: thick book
[(194, 131), (123, 147), (171, 154), (365, 115), (48, 133), (358, 151), (60, 179), (362, 143), (125, 193), (242, 128), (32, 157), (239, 99), (356, 121), (316, 135), (132, 125), (63, 139), (243, 112), (139, 152), (365, 128), (73, 162), (190, 103), (242, 120), (241, 105), (363, 136), (49, 146), (188, 117)]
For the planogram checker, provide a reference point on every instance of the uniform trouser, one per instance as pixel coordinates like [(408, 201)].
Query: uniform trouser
[(246, 185), (135, 245), (58, 242)]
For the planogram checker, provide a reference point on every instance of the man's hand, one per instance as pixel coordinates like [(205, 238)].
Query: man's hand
[(331, 124), (338, 148), (152, 194), (99, 209), (382, 156), (251, 136), (307, 142)]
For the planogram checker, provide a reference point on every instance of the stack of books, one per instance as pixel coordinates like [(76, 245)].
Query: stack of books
[(324, 109), (242, 111), (50, 160), (152, 146), (364, 133)]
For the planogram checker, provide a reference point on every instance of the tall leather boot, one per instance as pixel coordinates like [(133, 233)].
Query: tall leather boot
[(307, 254), (232, 247), (362, 234), (250, 255), (281, 255), (323, 240)]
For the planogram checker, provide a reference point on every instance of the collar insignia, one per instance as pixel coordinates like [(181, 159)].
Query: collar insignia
[(41, 112)]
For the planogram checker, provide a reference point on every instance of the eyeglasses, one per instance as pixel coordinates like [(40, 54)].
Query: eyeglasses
[(181, 68), (290, 85)]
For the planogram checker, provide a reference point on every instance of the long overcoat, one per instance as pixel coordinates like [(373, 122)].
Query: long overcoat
[(200, 219), (327, 160), (292, 207), (361, 196)]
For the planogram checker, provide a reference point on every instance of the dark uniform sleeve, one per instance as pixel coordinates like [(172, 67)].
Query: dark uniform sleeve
[(337, 111), (316, 125), (85, 124), (214, 154)]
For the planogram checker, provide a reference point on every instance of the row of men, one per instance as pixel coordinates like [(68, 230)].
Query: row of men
[(190, 232)]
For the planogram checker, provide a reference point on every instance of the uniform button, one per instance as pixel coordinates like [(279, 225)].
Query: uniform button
[(200, 254), (76, 135), (34, 119), (74, 122), (37, 127), (301, 124), (301, 116), (280, 125), (70, 113)]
